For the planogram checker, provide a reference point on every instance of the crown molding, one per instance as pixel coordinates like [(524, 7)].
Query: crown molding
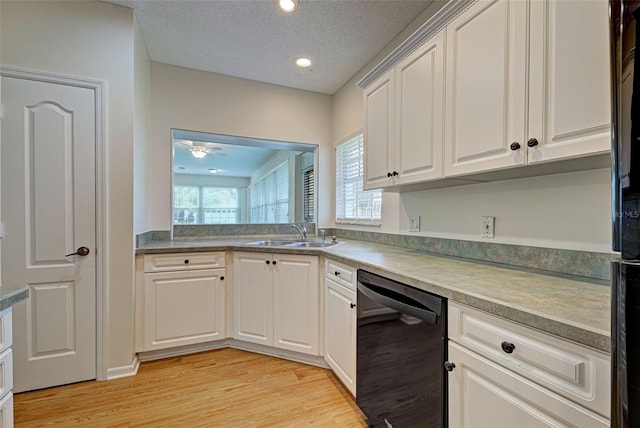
[(427, 30)]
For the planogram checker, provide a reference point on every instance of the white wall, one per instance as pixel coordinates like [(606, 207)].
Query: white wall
[(570, 211), (0, 139), (95, 40), (141, 122), (195, 100)]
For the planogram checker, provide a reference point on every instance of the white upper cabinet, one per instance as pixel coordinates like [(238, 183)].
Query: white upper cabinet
[(419, 105), (502, 112), (486, 87), (569, 101), (378, 131), (403, 119), (501, 84)]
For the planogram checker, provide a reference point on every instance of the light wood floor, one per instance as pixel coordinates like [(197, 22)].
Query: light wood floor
[(221, 388)]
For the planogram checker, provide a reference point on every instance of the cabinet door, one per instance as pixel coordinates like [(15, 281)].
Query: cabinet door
[(378, 131), (486, 87), (6, 411), (484, 394), (182, 308), (296, 297), (419, 92), (570, 107), (253, 297), (340, 332)]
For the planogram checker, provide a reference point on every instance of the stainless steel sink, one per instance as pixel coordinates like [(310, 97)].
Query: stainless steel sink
[(312, 244), (291, 243), (273, 242)]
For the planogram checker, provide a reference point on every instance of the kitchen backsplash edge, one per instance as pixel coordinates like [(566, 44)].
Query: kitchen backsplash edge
[(572, 262)]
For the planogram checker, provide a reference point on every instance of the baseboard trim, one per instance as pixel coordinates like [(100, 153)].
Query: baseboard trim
[(182, 350), (124, 371), (279, 353), (298, 357)]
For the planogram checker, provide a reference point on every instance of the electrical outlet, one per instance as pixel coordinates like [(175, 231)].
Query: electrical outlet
[(487, 227), (414, 224)]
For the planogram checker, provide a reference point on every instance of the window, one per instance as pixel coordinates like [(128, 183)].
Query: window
[(353, 204), (205, 205), (269, 197)]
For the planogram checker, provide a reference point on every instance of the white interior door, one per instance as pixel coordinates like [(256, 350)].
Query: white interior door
[(48, 210)]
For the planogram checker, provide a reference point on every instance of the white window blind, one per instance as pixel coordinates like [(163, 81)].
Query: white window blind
[(308, 183), (353, 204), (269, 197)]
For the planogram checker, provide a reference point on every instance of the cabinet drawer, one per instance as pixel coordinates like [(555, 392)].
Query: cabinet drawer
[(342, 274), (6, 372), (183, 261), (573, 371), (6, 338)]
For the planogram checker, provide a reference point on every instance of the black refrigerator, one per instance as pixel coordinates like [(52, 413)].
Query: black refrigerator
[(625, 289)]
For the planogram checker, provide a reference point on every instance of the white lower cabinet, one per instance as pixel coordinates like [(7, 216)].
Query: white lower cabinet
[(6, 369), (484, 394), (508, 375), (276, 300), (340, 317), (183, 306), (6, 411)]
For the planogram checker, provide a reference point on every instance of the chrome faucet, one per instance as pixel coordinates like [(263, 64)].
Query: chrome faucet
[(302, 230), (323, 235)]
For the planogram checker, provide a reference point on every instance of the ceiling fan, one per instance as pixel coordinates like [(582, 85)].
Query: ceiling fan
[(200, 149)]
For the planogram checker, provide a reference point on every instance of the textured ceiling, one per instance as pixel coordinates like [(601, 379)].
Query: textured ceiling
[(252, 39)]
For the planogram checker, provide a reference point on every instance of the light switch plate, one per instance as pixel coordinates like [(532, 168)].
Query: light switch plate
[(414, 223)]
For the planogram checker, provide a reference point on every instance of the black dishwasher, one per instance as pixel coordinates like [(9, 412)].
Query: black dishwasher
[(401, 348)]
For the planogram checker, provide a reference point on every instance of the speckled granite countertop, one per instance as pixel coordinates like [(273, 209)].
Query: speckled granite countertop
[(571, 307), (10, 296)]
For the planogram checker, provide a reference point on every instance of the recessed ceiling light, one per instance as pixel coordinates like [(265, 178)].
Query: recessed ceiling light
[(287, 6), (303, 62)]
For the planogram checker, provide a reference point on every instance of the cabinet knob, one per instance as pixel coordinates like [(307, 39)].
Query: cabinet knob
[(186, 262), (532, 142), (222, 278), (353, 305), (268, 262), (274, 262), (514, 146), (394, 173), (388, 174), (449, 366), (508, 347), (336, 273)]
